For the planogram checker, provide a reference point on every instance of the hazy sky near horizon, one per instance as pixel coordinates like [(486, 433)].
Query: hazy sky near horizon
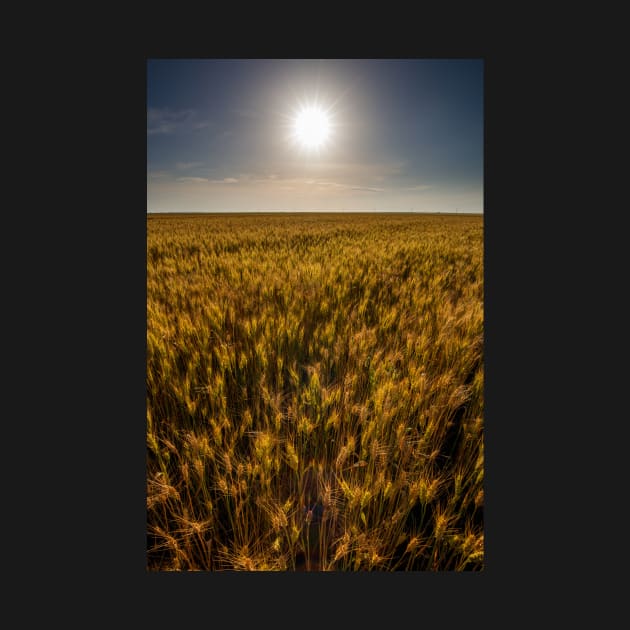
[(404, 135)]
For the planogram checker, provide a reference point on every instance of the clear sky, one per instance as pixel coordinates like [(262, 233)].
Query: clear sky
[(255, 135)]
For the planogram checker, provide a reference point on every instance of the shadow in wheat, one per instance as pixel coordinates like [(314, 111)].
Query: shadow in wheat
[(319, 520)]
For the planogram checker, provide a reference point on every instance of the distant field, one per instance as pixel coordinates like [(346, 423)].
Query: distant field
[(315, 392)]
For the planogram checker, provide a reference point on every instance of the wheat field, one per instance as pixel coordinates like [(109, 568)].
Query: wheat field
[(314, 392)]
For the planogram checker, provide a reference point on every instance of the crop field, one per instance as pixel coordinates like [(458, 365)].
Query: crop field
[(314, 392)]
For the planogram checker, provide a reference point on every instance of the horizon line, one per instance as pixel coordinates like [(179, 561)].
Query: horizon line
[(309, 212)]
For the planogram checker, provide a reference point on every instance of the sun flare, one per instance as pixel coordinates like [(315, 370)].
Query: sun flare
[(312, 127)]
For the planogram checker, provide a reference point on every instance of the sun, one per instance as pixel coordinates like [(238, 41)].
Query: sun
[(312, 127)]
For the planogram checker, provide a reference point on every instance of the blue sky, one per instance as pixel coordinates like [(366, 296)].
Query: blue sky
[(404, 135)]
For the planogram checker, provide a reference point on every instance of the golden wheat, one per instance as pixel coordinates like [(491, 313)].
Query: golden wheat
[(315, 392)]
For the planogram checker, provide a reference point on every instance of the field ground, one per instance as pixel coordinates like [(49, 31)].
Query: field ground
[(315, 392)]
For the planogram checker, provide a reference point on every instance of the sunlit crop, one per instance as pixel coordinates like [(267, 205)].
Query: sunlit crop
[(315, 392)]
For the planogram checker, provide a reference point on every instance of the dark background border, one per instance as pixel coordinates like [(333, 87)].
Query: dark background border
[(524, 500)]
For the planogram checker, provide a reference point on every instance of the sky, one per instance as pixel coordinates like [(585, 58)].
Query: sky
[(300, 135)]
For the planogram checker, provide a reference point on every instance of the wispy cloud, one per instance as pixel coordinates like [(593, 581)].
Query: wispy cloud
[(340, 186), (167, 121), (348, 186), (259, 178), (271, 182), (325, 184), (361, 170), (196, 180), (274, 182), (367, 189), (157, 174), (368, 174), (184, 166), (225, 180), (419, 187)]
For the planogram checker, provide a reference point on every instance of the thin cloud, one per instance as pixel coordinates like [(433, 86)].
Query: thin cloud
[(158, 174), (358, 169), (196, 180), (290, 183), (419, 187), (259, 178), (225, 180), (350, 186), (331, 184), (370, 175), (184, 166), (202, 180), (367, 189), (167, 121)]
